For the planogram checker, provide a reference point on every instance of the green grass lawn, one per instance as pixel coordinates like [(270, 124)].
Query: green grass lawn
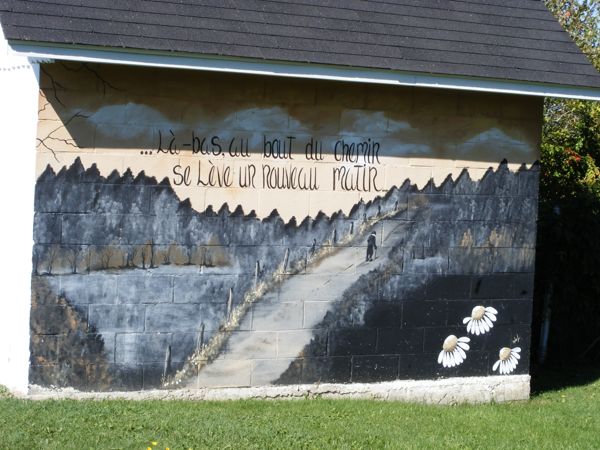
[(560, 418)]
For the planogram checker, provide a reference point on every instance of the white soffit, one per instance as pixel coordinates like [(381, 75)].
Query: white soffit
[(311, 71)]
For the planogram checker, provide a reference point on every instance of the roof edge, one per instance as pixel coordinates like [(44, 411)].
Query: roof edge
[(45, 51)]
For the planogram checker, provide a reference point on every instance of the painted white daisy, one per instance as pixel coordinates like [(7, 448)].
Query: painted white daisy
[(509, 358), (481, 320), (453, 351)]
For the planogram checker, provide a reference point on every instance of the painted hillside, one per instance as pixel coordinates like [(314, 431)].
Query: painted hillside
[(132, 288)]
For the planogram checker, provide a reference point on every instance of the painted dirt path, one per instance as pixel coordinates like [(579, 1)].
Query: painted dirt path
[(282, 323)]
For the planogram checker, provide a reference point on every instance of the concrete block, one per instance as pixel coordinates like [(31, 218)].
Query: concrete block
[(144, 288), (122, 199), (91, 229), (404, 287), (383, 314), (514, 259), (109, 341), (183, 345), (236, 373), (492, 286), (375, 368), (266, 372), (117, 318), (314, 313), (424, 314), (164, 317), (470, 260), (292, 344), (352, 341), (502, 286), (285, 316), (141, 348), (78, 197), (251, 345), (93, 288), (209, 288), (317, 285), (398, 341), (450, 287), (136, 229), (126, 377), (425, 260), (327, 369), (45, 349), (47, 228), (529, 183), (430, 207), (48, 197), (55, 319), (152, 376)]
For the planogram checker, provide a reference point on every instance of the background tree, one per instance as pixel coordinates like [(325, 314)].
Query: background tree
[(568, 255)]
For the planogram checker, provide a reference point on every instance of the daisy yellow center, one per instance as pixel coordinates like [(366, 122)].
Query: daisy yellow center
[(450, 343), (504, 353), (478, 312)]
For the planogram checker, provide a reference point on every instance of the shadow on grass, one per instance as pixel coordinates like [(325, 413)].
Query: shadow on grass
[(555, 377)]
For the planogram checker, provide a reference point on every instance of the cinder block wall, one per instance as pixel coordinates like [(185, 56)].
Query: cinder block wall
[(180, 242)]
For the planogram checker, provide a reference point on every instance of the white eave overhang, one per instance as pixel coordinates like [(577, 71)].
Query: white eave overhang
[(44, 52)]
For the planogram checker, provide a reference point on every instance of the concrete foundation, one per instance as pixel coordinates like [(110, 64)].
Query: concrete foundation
[(444, 392)]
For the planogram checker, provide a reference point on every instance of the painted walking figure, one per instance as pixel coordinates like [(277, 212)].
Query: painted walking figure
[(313, 248), (371, 246)]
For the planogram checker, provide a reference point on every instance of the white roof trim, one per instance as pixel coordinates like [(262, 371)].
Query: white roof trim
[(284, 69)]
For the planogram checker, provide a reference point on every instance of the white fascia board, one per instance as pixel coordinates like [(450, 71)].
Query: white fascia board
[(296, 70)]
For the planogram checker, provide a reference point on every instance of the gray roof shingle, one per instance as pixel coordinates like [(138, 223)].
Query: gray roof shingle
[(516, 40)]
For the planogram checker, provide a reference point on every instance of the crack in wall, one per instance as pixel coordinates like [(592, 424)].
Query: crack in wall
[(85, 66), (68, 142), (55, 85)]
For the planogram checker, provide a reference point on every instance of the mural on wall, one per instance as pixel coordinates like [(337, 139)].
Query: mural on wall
[(251, 245)]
